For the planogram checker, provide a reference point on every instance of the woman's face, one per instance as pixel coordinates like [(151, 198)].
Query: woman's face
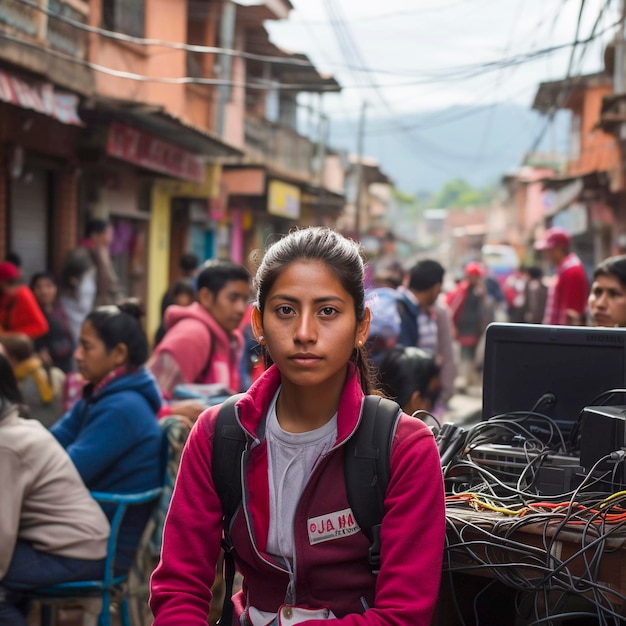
[(607, 302), (45, 291), (93, 360), (310, 326)]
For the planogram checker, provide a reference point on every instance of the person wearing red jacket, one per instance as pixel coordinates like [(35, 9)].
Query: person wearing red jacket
[(312, 322), (472, 310), (568, 293), (19, 311)]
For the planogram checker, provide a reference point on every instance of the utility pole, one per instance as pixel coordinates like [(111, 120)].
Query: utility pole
[(359, 176), (322, 129), (321, 157), (227, 40), (619, 71), (619, 81)]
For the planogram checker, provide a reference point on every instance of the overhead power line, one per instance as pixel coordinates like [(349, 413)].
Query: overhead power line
[(185, 80), (446, 74), (266, 85), (383, 16), (561, 97), (142, 41)]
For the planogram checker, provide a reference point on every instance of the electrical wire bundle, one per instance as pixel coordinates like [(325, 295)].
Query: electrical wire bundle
[(527, 438), (548, 548)]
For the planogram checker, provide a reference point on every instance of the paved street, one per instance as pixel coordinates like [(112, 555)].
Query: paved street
[(464, 408)]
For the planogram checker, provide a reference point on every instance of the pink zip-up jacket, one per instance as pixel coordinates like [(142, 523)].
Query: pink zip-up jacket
[(192, 337), (330, 569)]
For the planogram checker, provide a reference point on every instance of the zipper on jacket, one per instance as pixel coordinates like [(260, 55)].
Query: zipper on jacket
[(290, 595), (244, 499)]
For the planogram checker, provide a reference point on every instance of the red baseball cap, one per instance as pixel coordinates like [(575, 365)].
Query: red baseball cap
[(555, 237), (474, 268), (8, 272)]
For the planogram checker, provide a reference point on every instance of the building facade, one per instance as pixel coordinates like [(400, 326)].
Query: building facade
[(177, 120)]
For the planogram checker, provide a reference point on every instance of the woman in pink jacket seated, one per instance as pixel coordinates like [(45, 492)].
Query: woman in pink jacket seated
[(311, 320)]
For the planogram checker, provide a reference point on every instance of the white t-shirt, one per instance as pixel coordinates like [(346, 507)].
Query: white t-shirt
[(292, 457)]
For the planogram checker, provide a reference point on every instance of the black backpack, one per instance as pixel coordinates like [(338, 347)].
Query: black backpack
[(366, 469)]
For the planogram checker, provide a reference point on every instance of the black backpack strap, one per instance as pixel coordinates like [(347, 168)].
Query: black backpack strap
[(228, 447), (367, 468), (209, 361)]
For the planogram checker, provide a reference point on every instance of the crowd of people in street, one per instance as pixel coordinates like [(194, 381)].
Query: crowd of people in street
[(82, 392)]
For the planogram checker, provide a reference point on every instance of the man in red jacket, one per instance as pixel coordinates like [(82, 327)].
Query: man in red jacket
[(19, 311), (567, 296)]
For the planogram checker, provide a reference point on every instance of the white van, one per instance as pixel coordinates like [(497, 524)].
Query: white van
[(500, 259)]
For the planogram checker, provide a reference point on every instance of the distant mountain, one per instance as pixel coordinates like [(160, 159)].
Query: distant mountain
[(424, 150)]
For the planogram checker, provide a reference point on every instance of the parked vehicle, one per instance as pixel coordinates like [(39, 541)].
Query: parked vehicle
[(501, 260)]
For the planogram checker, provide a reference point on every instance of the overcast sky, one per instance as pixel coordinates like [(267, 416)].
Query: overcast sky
[(427, 54)]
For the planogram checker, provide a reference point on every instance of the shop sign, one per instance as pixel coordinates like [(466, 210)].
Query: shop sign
[(39, 97), (283, 200), (132, 145)]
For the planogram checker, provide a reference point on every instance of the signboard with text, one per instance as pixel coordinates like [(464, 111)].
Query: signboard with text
[(132, 145), (39, 97), (283, 200)]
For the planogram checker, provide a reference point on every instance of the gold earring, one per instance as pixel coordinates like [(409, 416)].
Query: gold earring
[(360, 343)]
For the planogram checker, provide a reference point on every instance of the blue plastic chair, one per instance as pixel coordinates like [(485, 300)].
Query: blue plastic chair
[(111, 585)]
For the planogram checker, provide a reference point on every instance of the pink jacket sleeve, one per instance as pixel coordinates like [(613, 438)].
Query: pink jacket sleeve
[(188, 342), (412, 537)]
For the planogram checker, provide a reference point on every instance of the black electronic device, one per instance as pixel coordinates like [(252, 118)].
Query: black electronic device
[(555, 370), (601, 433), (546, 473)]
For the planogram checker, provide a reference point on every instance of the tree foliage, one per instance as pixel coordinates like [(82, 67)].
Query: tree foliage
[(458, 193)]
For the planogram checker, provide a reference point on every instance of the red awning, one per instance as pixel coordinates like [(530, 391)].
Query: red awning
[(39, 97)]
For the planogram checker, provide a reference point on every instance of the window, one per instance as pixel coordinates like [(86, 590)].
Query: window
[(124, 16)]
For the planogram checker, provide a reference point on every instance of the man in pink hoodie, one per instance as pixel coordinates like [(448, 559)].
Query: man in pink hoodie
[(203, 342)]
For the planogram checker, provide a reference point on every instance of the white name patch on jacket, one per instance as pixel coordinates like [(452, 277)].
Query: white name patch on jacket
[(332, 526)]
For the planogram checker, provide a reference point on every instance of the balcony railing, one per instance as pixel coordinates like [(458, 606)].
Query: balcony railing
[(48, 24), (279, 146)]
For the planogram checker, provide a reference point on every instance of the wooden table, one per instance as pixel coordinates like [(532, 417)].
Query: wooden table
[(554, 570)]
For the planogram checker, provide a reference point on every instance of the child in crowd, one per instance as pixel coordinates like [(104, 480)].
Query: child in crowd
[(182, 293), (311, 320), (410, 376), (41, 386), (19, 311)]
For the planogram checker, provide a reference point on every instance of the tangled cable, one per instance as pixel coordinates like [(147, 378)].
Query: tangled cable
[(550, 548)]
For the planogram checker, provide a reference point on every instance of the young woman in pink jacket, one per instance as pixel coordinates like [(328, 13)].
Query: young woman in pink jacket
[(298, 416)]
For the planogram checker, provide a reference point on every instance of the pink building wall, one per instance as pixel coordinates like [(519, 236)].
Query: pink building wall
[(118, 55), (236, 107), (334, 174), (598, 150), (165, 20), (535, 207)]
